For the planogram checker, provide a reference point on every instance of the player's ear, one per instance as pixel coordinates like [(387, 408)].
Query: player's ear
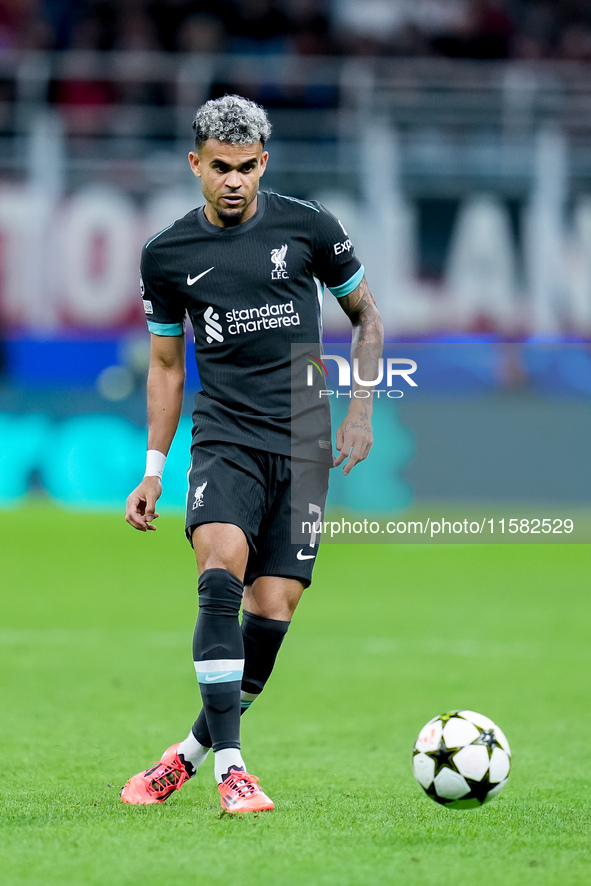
[(263, 162), (195, 163)]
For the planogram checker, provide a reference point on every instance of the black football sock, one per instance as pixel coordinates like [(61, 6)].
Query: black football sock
[(218, 653), (262, 640)]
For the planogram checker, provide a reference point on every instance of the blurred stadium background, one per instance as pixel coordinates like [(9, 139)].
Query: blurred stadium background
[(453, 140)]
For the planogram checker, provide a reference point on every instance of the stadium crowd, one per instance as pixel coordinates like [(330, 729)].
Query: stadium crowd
[(487, 29)]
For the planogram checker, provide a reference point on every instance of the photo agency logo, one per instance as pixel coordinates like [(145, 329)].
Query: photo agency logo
[(390, 371)]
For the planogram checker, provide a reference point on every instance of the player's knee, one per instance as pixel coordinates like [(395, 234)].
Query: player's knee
[(220, 593), (220, 546)]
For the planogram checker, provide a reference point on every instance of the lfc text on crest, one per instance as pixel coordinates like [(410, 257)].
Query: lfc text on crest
[(279, 272)]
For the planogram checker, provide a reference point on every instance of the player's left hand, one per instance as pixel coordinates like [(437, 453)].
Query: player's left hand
[(354, 438)]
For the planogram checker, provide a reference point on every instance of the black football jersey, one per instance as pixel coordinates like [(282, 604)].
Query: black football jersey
[(252, 292)]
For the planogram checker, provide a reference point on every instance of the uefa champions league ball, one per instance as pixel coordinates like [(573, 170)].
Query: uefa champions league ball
[(461, 759)]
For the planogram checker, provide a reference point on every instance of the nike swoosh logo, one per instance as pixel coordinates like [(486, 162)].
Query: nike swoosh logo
[(209, 678), (191, 280), (301, 556)]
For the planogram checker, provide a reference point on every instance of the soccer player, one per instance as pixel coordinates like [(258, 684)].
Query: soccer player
[(248, 268)]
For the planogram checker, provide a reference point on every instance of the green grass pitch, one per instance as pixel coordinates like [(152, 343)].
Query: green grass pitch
[(97, 680)]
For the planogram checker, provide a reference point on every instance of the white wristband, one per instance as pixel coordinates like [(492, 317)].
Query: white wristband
[(155, 461)]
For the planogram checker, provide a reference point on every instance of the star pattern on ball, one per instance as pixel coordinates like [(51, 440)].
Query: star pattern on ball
[(443, 757), (445, 718), (488, 738)]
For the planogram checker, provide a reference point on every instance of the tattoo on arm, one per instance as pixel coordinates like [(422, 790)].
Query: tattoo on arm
[(352, 425), (363, 422), (358, 300), (360, 306)]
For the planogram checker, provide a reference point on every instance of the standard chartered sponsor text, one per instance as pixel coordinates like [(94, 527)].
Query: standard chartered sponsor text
[(268, 316), (442, 527)]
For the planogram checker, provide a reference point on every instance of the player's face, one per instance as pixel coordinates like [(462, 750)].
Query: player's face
[(229, 179)]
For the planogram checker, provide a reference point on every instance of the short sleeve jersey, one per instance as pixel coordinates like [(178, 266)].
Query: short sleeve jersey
[(251, 292)]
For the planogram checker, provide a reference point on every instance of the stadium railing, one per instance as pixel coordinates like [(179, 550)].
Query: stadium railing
[(460, 122)]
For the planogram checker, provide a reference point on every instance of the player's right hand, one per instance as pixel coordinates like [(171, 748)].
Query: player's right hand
[(141, 504)]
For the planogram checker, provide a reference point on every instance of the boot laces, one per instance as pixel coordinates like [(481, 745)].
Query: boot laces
[(167, 777), (243, 783)]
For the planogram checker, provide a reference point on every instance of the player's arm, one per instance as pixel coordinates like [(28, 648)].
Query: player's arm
[(166, 384), (354, 437)]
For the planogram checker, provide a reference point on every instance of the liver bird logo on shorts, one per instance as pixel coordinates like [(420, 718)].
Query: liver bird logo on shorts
[(198, 503), (278, 258)]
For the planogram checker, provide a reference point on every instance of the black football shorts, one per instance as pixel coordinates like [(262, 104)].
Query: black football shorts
[(278, 502)]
